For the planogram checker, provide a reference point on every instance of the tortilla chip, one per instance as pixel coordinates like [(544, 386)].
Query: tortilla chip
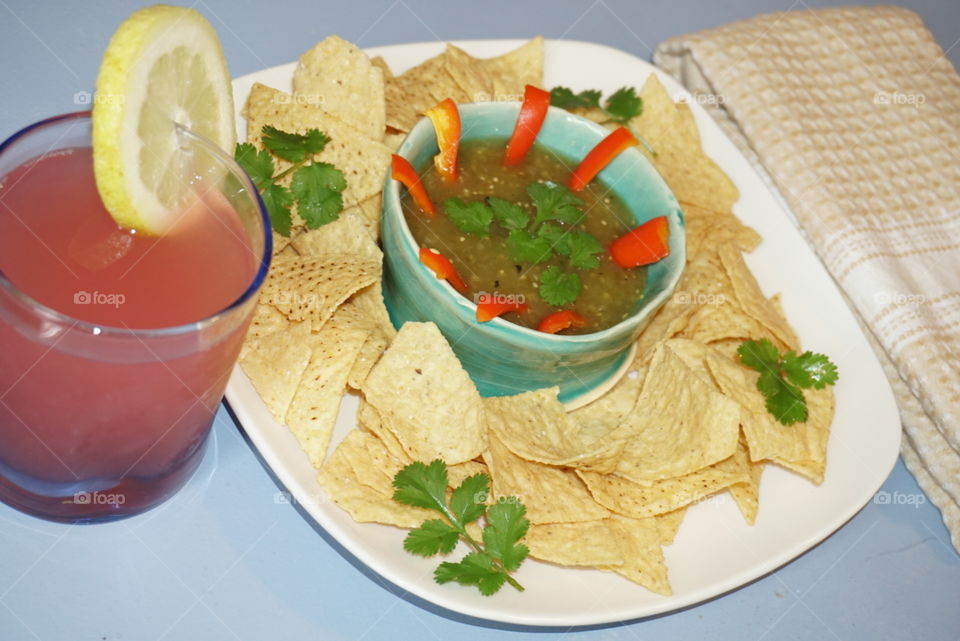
[(426, 398), (637, 500), (311, 289), (381, 64), (706, 228), (346, 235), (456, 474), (369, 211), (751, 298), (643, 554), (747, 495), (477, 82), (458, 75), (369, 419), (539, 487), (598, 419), (535, 426), (286, 252), (694, 355), (801, 447), (266, 320), (349, 315), (280, 242), (362, 159), (515, 69), (393, 140), (680, 423), (588, 543), (358, 476), (692, 175), (274, 364), (341, 80), (668, 524), (418, 89), (369, 300), (669, 321), (316, 403), (721, 320), (703, 282)]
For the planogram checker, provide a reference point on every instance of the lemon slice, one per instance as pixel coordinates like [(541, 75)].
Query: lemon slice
[(163, 67)]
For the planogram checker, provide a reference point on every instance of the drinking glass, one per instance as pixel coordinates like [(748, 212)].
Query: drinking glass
[(100, 421)]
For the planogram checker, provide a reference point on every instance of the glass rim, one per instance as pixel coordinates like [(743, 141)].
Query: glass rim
[(48, 313)]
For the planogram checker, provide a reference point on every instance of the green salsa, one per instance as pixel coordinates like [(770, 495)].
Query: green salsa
[(488, 260)]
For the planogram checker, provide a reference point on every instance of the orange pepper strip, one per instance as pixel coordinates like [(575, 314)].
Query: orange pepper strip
[(561, 320), (600, 156), (533, 111), (489, 308), (642, 245), (446, 122), (443, 268), (403, 171)]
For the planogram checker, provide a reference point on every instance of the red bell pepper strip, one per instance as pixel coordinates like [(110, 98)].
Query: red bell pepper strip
[(533, 111), (561, 320), (446, 122), (600, 156), (443, 268), (489, 307), (642, 245), (403, 171)]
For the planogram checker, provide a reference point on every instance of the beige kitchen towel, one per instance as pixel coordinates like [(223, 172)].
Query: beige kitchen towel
[(854, 116)]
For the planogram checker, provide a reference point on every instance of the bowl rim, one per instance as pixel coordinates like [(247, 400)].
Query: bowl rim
[(391, 201)]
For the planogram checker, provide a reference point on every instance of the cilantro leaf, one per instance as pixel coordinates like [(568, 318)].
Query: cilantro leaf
[(584, 250), (558, 236), (760, 355), (257, 164), (554, 202), (510, 215), (782, 377), (468, 500), (623, 105), (425, 486), (293, 147), (524, 247), (470, 218), (558, 288), (317, 188), (432, 537), (278, 200), (809, 369), (476, 569), (783, 400), (422, 485), (564, 98), (505, 526)]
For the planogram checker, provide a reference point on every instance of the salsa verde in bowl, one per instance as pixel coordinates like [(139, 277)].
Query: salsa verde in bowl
[(488, 220)]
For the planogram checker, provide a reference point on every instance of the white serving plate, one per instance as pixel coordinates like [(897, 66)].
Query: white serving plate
[(715, 551)]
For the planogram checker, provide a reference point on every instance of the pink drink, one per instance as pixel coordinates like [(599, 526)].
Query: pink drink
[(97, 423)]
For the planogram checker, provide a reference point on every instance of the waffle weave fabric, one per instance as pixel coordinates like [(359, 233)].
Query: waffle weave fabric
[(853, 115)]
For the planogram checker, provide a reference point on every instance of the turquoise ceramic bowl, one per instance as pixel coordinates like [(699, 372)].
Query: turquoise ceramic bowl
[(501, 357)]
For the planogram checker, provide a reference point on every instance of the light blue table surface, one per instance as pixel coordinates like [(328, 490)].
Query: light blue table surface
[(231, 558)]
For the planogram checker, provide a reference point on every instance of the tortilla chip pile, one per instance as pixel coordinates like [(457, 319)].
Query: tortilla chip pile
[(605, 486)]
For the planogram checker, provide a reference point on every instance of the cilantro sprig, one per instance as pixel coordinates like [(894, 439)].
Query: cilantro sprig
[(558, 287), (547, 228), (315, 187), (488, 565), (620, 107), (782, 377)]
